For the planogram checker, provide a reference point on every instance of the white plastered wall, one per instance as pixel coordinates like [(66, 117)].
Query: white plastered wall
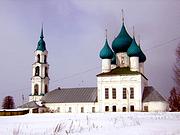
[(134, 63), (40, 80), (120, 82), (156, 106), (106, 65), (75, 107)]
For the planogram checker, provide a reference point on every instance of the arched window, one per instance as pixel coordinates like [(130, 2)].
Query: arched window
[(124, 109), (45, 59), (46, 72), (114, 108), (132, 108), (46, 89), (37, 71), (36, 88), (106, 108), (38, 58)]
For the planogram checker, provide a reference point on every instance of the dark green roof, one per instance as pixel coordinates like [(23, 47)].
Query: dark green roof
[(121, 71), (106, 52), (113, 61), (133, 50), (41, 44), (122, 42), (142, 56)]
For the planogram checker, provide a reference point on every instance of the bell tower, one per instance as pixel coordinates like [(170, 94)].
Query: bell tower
[(40, 78)]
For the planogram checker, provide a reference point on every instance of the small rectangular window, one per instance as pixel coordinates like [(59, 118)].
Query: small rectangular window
[(58, 109), (82, 109), (106, 108), (114, 108), (93, 109), (124, 93), (146, 108), (132, 93), (124, 109), (132, 108), (70, 109), (106, 93), (114, 93)]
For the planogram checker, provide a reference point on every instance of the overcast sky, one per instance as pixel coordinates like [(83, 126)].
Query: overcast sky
[(74, 32)]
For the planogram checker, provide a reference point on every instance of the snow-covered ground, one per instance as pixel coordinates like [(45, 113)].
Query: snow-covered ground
[(92, 124)]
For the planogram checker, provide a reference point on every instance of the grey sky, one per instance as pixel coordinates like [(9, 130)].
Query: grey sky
[(74, 32)]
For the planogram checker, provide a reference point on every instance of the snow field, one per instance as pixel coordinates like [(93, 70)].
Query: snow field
[(137, 123)]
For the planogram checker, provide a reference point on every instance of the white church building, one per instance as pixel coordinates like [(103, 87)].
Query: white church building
[(121, 85)]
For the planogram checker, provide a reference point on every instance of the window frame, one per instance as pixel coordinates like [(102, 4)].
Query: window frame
[(45, 59), (113, 93), (124, 109), (106, 108), (114, 108), (146, 108), (82, 109), (70, 109), (131, 93), (37, 70), (132, 108), (38, 58), (93, 109), (36, 89), (124, 94), (106, 93)]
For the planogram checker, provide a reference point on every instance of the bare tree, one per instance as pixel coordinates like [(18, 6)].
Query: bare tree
[(177, 69), (174, 99), (8, 103)]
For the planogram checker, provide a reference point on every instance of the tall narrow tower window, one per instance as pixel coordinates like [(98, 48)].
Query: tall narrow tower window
[(38, 58), (46, 72), (45, 59), (37, 71), (36, 88), (46, 89)]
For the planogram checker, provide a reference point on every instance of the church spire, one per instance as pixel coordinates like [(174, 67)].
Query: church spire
[(40, 78), (106, 33), (122, 11), (42, 36), (41, 44), (133, 32)]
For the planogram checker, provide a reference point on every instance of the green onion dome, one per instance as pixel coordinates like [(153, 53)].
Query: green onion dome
[(113, 61), (142, 56), (122, 42), (41, 44), (134, 50), (106, 52)]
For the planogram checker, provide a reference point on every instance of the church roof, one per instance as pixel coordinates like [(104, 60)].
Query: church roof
[(31, 104), (133, 50), (121, 71), (113, 61), (142, 56), (106, 52), (41, 44), (122, 42), (150, 94), (71, 95)]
